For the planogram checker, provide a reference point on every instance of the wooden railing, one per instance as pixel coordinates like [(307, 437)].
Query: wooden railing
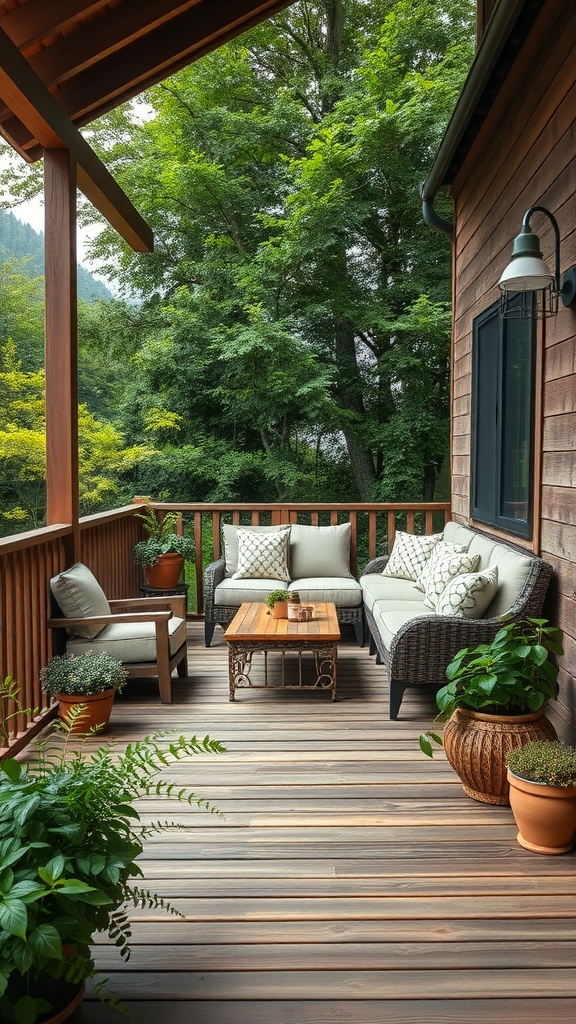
[(105, 541), (373, 527)]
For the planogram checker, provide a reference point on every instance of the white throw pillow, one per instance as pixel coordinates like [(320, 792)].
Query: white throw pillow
[(409, 554), (230, 541), (263, 556), (442, 548), (448, 565), (469, 594)]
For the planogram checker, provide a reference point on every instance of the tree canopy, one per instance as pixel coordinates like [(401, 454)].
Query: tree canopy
[(289, 336)]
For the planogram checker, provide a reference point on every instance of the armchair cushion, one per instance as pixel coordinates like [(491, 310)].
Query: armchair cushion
[(78, 594), (130, 641), (320, 551)]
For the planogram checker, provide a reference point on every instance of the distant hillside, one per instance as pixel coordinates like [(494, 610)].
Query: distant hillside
[(18, 240)]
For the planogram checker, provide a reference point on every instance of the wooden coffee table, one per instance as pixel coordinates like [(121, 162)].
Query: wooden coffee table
[(254, 631)]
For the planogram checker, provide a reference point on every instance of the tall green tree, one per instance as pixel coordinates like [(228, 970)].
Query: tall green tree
[(294, 313)]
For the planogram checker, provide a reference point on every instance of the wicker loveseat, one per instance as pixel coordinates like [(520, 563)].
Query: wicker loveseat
[(318, 568), (415, 642)]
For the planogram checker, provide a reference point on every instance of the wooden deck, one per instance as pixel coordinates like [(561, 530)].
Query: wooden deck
[(349, 878)]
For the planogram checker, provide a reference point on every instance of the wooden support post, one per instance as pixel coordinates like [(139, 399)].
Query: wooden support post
[(61, 343)]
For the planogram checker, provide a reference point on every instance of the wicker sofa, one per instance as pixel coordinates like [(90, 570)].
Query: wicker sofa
[(415, 642), (318, 567)]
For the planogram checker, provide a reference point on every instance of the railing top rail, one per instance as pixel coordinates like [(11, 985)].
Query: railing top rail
[(299, 506)]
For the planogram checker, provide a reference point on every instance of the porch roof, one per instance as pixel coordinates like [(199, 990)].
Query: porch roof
[(93, 55)]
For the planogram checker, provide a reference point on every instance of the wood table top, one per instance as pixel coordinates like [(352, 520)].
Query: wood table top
[(253, 621)]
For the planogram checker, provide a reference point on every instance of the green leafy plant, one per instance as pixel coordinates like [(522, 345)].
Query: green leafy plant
[(9, 693), (83, 675), (551, 762), (511, 675), (275, 596), (70, 837), (162, 538)]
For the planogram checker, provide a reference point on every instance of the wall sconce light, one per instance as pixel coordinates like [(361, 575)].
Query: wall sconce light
[(529, 288)]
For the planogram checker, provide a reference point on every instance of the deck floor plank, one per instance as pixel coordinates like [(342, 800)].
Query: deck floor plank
[(347, 879)]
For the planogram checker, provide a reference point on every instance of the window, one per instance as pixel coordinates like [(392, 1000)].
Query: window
[(503, 374)]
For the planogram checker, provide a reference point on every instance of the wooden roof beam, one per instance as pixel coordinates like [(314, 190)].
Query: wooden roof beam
[(94, 41), (187, 36), (38, 20), (36, 108)]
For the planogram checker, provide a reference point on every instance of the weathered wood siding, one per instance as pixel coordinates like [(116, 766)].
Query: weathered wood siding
[(525, 154)]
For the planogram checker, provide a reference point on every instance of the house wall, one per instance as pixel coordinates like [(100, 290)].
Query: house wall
[(525, 154)]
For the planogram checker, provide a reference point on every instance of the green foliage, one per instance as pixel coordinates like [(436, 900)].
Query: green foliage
[(275, 596), (70, 838), (161, 540), (299, 307), (82, 674), (288, 338), (512, 675), (550, 762)]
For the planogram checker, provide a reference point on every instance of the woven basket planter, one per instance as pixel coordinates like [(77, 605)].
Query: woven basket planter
[(477, 746)]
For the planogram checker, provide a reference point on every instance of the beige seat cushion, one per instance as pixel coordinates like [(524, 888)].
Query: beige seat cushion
[(78, 593), (343, 592), (377, 587), (389, 617), (130, 641), (232, 592)]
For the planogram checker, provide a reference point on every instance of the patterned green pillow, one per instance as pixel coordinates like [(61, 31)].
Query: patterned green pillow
[(442, 548), (263, 556), (448, 565), (468, 595), (409, 554)]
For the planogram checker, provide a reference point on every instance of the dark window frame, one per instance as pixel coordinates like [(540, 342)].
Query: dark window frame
[(492, 398)]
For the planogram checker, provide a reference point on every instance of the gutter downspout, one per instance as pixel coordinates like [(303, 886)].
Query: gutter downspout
[(433, 219), (504, 17)]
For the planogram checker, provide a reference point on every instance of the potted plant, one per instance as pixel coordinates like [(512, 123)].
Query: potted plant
[(277, 602), (495, 700), (69, 841), (163, 551), (542, 777), (91, 680)]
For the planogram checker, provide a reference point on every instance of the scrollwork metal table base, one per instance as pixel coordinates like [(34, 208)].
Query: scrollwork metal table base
[(240, 663)]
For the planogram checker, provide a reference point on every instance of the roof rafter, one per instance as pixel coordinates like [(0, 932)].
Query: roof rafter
[(37, 109)]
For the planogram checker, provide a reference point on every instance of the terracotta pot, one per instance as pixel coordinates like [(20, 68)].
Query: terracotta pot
[(477, 746), (545, 815), (68, 1010), (97, 709), (280, 610), (166, 573), (63, 996)]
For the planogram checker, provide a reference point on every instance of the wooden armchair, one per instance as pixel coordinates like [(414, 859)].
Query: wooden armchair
[(147, 634)]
